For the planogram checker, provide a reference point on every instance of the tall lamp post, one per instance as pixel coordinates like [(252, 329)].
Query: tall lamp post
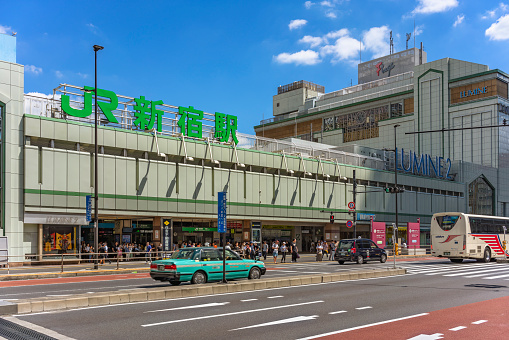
[(96, 191), (396, 230)]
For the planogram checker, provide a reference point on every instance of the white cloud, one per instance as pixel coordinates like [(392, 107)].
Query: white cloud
[(337, 34), (499, 30), (377, 41), (59, 74), (418, 30), (345, 48), (434, 6), (503, 7), (326, 4), (307, 57), (493, 13), (459, 20), (94, 29), (5, 29), (489, 14), (82, 75), (331, 15), (33, 69), (297, 23), (308, 4), (312, 41)]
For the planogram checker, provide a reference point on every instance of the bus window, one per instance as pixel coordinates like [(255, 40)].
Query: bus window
[(447, 222)]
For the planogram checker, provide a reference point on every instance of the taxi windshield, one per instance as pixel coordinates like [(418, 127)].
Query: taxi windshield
[(186, 254)]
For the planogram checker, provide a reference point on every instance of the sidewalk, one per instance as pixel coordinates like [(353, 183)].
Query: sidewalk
[(87, 269)]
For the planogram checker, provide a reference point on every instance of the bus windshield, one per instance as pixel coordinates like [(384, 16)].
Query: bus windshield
[(447, 222)]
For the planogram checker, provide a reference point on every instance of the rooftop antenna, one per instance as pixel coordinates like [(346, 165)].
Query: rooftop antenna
[(391, 45), (408, 35)]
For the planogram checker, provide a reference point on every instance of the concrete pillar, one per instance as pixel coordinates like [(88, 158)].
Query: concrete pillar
[(40, 246)]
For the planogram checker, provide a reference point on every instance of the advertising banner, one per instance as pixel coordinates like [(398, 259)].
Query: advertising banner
[(413, 235), (166, 231), (378, 233)]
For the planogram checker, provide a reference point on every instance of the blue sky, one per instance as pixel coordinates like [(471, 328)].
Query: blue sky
[(230, 56)]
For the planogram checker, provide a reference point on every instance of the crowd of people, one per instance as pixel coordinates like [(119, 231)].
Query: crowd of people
[(124, 251)]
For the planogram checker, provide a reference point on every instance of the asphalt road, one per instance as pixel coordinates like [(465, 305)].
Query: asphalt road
[(403, 305)]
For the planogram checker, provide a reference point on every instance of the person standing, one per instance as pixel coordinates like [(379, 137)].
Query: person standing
[(294, 250), (265, 250), (275, 250), (319, 251), (148, 253), (284, 250), (333, 247)]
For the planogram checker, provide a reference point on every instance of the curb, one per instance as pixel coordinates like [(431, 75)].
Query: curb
[(137, 295)]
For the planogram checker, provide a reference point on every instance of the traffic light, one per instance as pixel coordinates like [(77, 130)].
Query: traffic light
[(331, 218), (394, 190)]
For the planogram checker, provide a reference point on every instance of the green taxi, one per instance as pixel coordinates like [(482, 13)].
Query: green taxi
[(201, 265)]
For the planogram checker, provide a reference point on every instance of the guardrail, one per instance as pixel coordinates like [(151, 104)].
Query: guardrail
[(86, 258)]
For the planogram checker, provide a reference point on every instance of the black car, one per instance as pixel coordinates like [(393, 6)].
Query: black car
[(359, 250)]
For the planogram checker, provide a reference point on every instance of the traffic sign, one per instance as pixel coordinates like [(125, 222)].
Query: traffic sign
[(88, 207), (351, 205), (349, 224), (221, 212)]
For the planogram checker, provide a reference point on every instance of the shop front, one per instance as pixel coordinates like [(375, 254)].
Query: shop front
[(282, 233)]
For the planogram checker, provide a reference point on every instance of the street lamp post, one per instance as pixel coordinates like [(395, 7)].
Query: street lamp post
[(396, 230), (96, 191)]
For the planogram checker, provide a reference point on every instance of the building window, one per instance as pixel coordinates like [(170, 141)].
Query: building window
[(277, 104), (480, 197), (396, 110)]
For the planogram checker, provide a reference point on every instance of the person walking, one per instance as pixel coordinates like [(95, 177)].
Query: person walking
[(265, 250), (148, 253), (333, 247), (275, 250), (325, 249), (284, 250), (294, 250), (319, 251)]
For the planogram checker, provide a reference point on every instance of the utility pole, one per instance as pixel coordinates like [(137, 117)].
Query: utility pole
[(355, 203), (396, 178)]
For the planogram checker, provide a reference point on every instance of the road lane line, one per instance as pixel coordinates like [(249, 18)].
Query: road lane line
[(361, 308), (278, 322), (479, 322), (275, 297), (213, 304), (338, 312), (232, 314), (459, 328), (248, 300), (364, 326), (476, 272)]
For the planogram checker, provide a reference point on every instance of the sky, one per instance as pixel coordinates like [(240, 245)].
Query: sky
[(230, 56)]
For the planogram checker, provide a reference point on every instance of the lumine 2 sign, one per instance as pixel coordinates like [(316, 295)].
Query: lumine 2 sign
[(424, 165), (147, 115)]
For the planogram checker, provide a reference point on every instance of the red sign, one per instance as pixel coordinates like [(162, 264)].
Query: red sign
[(349, 224), (413, 235), (351, 205), (378, 233)]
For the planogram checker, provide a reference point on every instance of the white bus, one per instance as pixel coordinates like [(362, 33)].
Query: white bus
[(459, 236)]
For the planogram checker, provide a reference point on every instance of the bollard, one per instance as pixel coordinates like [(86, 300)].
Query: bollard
[(62, 263), (118, 253)]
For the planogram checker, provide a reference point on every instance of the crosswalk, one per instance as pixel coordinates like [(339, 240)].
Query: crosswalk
[(486, 271)]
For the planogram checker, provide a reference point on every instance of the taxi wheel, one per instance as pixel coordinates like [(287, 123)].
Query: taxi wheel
[(383, 258), (199, 277), (360, 259), (341, 262), (174, 283), (254, 274)]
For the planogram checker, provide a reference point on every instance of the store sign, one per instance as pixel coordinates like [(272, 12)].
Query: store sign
[(474, 92), (221, 212), (423, 165), (413, 235), (147, 115), (55, 219), (365, 217), (380, 67), (378, 233), (166, 233), (192, 229)]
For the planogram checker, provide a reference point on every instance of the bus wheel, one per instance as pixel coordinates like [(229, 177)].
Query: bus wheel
[(456, 260), (487, 255)]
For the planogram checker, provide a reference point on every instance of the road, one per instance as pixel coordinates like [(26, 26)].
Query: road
[(437, 299)]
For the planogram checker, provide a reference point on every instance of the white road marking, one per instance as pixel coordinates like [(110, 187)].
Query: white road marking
[(62, 295), (495, 277), (435, 336), (477, 272), (278, 322), (275, 297), (338, 312), (248, 300), (231, 314), (479, 322), (361, 308), (214, 304), (457, 328), (364, 326)]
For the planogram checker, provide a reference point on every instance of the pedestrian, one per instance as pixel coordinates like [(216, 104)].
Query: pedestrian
[(319, 251), (325, 249), (295, 251), (148, 253), (284, 250), (265, 249), (275, 250), (333, 247), (106, 253)]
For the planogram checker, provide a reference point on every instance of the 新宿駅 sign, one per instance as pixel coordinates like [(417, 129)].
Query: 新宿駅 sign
[(147, 115)]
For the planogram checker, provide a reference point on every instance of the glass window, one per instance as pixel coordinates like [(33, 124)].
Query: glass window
[(447, 222), (186, 254), (396, 109), (345, 245), (230, 255), (210, 255), (480, 197), (373, 245)]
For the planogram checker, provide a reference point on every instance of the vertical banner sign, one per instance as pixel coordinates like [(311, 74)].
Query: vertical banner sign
[(166, 233), (221, 212), (378, 233), (413, 235), (89, 207)]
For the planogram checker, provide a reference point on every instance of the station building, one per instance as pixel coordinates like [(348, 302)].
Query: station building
[(161, 166)]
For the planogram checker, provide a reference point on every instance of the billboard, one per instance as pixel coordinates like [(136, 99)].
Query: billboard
[(413, 235)]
